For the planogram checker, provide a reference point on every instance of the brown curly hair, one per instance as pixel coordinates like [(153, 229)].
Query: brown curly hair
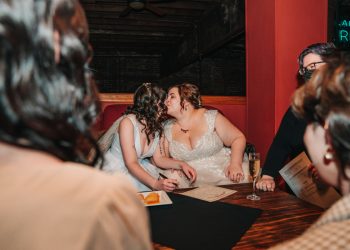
[(190, 93), (149, 109)]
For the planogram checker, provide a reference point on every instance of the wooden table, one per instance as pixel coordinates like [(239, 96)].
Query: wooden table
[(284, 217)]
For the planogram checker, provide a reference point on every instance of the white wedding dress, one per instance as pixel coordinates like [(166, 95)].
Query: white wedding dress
[(114, 162), (209, 156)]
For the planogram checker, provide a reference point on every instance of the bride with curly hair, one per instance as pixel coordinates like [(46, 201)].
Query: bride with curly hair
[(133, 140)]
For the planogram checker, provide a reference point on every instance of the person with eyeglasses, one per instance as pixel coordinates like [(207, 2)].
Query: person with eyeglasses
[(324, 103), (288, 142)]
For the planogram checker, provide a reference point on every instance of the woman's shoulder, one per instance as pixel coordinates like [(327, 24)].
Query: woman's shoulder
[(97, 183), (210, 113), (129, 118), (110, 191), (168, 123)]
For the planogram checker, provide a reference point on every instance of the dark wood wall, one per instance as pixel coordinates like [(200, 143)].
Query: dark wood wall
[(220, 73), (207, 49)]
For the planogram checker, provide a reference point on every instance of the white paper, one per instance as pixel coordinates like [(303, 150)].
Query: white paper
[(209, 193), (298, 178)]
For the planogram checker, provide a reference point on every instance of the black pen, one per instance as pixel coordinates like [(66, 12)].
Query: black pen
[(163, 176)]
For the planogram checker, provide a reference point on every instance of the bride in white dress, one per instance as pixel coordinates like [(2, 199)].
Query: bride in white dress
[(132, 140), (203, 138)]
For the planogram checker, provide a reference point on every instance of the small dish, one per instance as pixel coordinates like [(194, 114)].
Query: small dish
[(163, 198)]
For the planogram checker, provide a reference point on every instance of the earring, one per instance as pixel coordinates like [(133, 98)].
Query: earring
[(328, 156), (186, 108)]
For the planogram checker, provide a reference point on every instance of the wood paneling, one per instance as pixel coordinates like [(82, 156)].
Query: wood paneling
[(207, 100), (189, 34)]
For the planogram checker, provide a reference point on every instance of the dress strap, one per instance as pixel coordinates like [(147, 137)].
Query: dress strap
[(134, 122), (168, 125), (153, 147), (211, 116)]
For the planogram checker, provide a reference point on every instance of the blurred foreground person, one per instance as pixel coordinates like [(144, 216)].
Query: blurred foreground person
[(324, 102), (47, 106)]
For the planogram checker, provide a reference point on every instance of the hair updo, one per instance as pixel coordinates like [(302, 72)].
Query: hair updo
[(190, 93)]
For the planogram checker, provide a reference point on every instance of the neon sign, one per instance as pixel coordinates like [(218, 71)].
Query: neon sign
[(344, 31)]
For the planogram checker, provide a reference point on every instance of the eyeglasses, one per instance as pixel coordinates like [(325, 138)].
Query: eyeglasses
[(311, 66)]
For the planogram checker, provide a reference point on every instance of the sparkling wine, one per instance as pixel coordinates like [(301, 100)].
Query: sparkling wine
[(254, 167)]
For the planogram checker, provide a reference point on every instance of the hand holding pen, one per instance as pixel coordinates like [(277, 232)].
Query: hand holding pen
[(166, 184)]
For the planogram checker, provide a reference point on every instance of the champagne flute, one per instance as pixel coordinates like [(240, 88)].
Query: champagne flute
[(254, 169)]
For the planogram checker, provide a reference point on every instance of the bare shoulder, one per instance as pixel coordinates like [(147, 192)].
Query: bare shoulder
[(126, 124)]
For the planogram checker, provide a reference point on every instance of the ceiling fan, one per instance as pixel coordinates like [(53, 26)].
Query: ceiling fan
[(139, 5)]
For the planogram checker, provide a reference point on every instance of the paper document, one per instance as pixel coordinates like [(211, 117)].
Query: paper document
[(298, 178), (209, 193)]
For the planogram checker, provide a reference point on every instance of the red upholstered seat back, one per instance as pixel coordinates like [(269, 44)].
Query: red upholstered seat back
[(111, 113), (235, 113)]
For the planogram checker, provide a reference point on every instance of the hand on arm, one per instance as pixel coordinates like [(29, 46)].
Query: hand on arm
[(126, 136), (234, 173), (234, 138), (266, 183), (161, 159)]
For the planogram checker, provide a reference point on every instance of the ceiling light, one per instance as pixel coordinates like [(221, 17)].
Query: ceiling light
[(137, 4)]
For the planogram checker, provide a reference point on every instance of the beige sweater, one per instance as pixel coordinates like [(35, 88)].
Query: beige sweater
[(330, 231), (48, 204)]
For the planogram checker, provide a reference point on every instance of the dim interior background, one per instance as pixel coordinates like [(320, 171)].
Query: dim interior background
[(172, 41)]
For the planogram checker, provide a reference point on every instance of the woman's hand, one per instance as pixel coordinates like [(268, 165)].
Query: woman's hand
[(266, 183), (189, 171), (234, 173), (316, 177), (168, 185), (313, 172)]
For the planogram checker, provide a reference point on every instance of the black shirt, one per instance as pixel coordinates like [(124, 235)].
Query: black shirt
[(287, 144)]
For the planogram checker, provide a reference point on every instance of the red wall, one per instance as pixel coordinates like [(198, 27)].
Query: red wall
[(299, 23), (276, 32), (235, 113)]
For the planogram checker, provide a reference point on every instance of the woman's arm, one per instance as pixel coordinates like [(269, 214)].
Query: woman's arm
[(289, 138), (162, 159), (234, 138), (127, 143)]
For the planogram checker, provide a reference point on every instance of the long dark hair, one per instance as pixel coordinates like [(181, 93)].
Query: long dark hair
[(46, 105), (149, 109)]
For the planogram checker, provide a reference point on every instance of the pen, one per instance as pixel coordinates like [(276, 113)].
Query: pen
[(163, 176)]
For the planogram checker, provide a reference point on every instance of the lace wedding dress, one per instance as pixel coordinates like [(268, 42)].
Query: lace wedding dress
[(209, 156)]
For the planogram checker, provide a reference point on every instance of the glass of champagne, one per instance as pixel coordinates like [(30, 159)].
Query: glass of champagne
[(254, 169)]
